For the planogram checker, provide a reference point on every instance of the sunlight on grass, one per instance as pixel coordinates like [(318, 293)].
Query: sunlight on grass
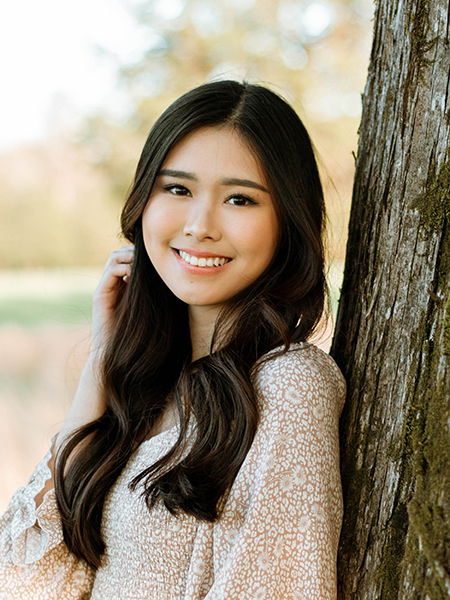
[(59, 297), (69, 310)]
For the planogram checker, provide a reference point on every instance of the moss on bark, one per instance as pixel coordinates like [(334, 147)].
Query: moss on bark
[(417, 554), (426, 562), (433, 203)]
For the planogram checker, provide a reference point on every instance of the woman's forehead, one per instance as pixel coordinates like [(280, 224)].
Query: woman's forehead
[(219, 148)]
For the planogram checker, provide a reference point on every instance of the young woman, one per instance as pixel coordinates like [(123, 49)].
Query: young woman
[(200, 456)]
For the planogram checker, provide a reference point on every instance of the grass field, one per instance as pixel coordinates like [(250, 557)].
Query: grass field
[(58, 297), (29, 312)]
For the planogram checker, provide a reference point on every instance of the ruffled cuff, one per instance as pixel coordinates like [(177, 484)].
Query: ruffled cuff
[(28, 542)]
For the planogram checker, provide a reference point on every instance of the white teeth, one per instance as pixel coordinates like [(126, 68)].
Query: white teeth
[(202, 262)]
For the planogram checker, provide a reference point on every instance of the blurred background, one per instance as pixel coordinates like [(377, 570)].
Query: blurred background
[(82, 84)]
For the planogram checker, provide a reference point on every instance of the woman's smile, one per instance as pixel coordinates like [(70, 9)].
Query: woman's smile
[(201, 263), (210, 226)]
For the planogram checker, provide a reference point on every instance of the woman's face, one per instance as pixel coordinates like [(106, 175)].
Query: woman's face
[(210, 226)]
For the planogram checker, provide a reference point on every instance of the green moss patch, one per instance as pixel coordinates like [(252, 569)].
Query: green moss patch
[(433, 203)]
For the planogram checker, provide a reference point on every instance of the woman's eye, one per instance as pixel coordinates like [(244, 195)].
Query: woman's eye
[(240, 200), (178, 190)]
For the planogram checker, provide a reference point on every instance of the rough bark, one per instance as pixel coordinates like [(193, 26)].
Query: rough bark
[(392, 338)]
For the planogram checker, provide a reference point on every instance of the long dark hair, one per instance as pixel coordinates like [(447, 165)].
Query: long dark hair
[(148, 356)]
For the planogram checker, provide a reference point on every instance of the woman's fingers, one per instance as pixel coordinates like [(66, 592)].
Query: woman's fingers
[(118, 266), (117, 269), (124, 254), (110, 276)]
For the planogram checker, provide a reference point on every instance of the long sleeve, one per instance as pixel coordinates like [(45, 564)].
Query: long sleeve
[(277, 538), (35, 563)]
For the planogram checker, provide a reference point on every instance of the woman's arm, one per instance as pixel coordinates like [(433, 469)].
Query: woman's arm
[(86, 406), (88, 403)]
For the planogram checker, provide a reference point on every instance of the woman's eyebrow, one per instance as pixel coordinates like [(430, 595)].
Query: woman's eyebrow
[(243, 182), (176, 173)]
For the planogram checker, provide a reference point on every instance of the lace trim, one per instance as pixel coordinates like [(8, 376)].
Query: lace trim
[(28, 542)]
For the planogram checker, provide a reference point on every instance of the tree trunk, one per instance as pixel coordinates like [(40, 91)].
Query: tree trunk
[(392, 339)]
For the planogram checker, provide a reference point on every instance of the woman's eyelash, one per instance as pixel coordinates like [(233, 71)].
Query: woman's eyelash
[(171, 187), (241, 198)]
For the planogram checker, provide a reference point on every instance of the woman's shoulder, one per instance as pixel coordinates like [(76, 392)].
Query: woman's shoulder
[(303, 369), (300, 358)]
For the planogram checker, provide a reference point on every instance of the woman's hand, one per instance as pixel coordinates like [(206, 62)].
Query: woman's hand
[(117, 270)]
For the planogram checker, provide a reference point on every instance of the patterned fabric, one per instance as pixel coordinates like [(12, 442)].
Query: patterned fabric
[(276, 539)]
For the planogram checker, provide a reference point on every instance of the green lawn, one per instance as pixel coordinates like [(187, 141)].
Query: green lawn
[(47, 296), (70, 309)]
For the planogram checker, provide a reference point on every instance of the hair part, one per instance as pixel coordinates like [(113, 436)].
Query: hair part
[(147, 360)]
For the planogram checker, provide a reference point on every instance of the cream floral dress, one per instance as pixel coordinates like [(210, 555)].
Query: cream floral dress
[(276, 539)]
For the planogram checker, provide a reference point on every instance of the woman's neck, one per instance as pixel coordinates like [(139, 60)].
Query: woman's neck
[(202, 320)]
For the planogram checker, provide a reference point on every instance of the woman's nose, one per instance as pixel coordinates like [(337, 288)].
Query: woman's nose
[(202, 222)]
